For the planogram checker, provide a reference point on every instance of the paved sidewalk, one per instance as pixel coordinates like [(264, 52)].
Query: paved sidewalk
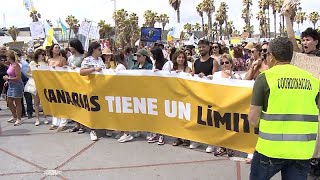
[(29, 152)]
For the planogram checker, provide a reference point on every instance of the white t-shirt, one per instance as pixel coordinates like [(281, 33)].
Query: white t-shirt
[(168, 66), (91, 62), (218, 75), (120, 67)]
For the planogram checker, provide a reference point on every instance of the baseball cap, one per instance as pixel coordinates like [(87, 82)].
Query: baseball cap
[(142, 52)]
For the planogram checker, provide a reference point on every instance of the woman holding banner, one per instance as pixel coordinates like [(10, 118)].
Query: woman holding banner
[(74, 61), (180, 65), (92, 63), (38, 60), (56, 60)]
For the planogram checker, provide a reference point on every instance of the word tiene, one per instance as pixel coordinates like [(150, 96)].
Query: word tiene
[(73, 98)]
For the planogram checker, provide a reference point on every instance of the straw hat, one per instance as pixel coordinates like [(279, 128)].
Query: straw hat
[(106, 51), (249, 46)]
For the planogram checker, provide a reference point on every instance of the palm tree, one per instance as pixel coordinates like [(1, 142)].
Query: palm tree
[(246, 15), (229, 29), (200, 12), (133, 29), (273, 4), (188, 27), (106, 30), (221, 16), (163, 20), (73, 24), (314, 18), (261, 16), (35, 16), (206, 30), (13, 32), (120, 17), (196, 27), (300, 17), (208, 8), (150, 18), (264, 5), (278, 7), (176, 6)]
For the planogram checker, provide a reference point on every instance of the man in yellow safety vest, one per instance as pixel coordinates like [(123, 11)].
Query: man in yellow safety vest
[(284, 107)]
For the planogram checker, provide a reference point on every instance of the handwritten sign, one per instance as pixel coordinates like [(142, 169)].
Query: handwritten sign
[(307, 62), (37, 30), (89, 30)]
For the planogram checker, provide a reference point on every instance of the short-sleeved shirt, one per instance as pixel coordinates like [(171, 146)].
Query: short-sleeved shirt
[(91, 62), (120, 67), (75, 61), (40, 63)]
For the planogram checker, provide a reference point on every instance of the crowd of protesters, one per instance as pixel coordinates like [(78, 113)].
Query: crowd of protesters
[(211, 60)]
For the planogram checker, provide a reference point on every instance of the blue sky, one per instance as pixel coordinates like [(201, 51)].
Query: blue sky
[(16, 14)]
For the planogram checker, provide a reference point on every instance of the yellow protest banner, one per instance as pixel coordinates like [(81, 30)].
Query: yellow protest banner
[(209, 111)]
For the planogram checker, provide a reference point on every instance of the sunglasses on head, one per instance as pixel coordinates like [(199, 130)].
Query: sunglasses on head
[(225, 62)]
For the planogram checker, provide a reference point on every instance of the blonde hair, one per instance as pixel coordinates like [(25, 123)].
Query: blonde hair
[(12, 55), (227, 57)]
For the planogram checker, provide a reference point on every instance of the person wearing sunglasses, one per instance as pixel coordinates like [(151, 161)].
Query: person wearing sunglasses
[(38, 60), (92, 63), (226, 72), (257, 64)]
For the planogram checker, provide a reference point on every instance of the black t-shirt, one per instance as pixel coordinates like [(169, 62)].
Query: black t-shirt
[(3, 69), (204, 67)]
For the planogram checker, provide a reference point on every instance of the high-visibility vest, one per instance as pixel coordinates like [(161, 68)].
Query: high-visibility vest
[(288, 128)]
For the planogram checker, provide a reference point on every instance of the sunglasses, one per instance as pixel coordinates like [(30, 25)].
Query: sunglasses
[(188, 53), (226, 62), (264, 50), (215, 47)]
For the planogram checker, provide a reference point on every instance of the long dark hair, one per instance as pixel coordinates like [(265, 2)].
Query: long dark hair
[(51, 48), (94, 45), (175, 57), (77, 45), (158, 57), (37, 54), (119, 58)]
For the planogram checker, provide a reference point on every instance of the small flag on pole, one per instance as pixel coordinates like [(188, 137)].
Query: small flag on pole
[(28, 4), (63, 27)]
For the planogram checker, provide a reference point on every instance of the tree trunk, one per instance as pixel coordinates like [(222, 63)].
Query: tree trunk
[(275, 24), (210, 26), (314, 25), (69, 33), (178, 14), (269, 27), (249, 28), (220, 31), (283, 24), (202, 20)]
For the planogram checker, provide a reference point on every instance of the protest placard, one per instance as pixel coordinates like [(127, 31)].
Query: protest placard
[(37, 30)]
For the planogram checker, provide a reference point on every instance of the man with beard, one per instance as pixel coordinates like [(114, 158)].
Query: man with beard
[(310, 37), (205, 65)]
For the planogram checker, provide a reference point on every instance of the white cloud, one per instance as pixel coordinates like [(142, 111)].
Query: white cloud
[(95, 10)]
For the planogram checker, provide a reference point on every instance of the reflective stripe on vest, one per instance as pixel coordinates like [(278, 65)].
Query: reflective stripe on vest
[(288, 137), (289, 117)]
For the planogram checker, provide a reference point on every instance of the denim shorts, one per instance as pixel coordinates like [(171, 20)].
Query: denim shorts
[(15, 89)]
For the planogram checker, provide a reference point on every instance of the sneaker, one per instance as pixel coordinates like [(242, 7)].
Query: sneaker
[(93, 136), (37, 122), (46, 121), (12, 120), (137, 134), (149, 135), (194, 145), (161, 140), (209, 149), (154, 138), (118, 136), (109, 133), (125, 138), (17, 123)]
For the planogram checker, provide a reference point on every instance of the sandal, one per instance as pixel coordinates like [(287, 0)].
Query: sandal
[(81, 131), (74, 129), (220, 152), (177, 142), (230, 153), (186, 143)]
